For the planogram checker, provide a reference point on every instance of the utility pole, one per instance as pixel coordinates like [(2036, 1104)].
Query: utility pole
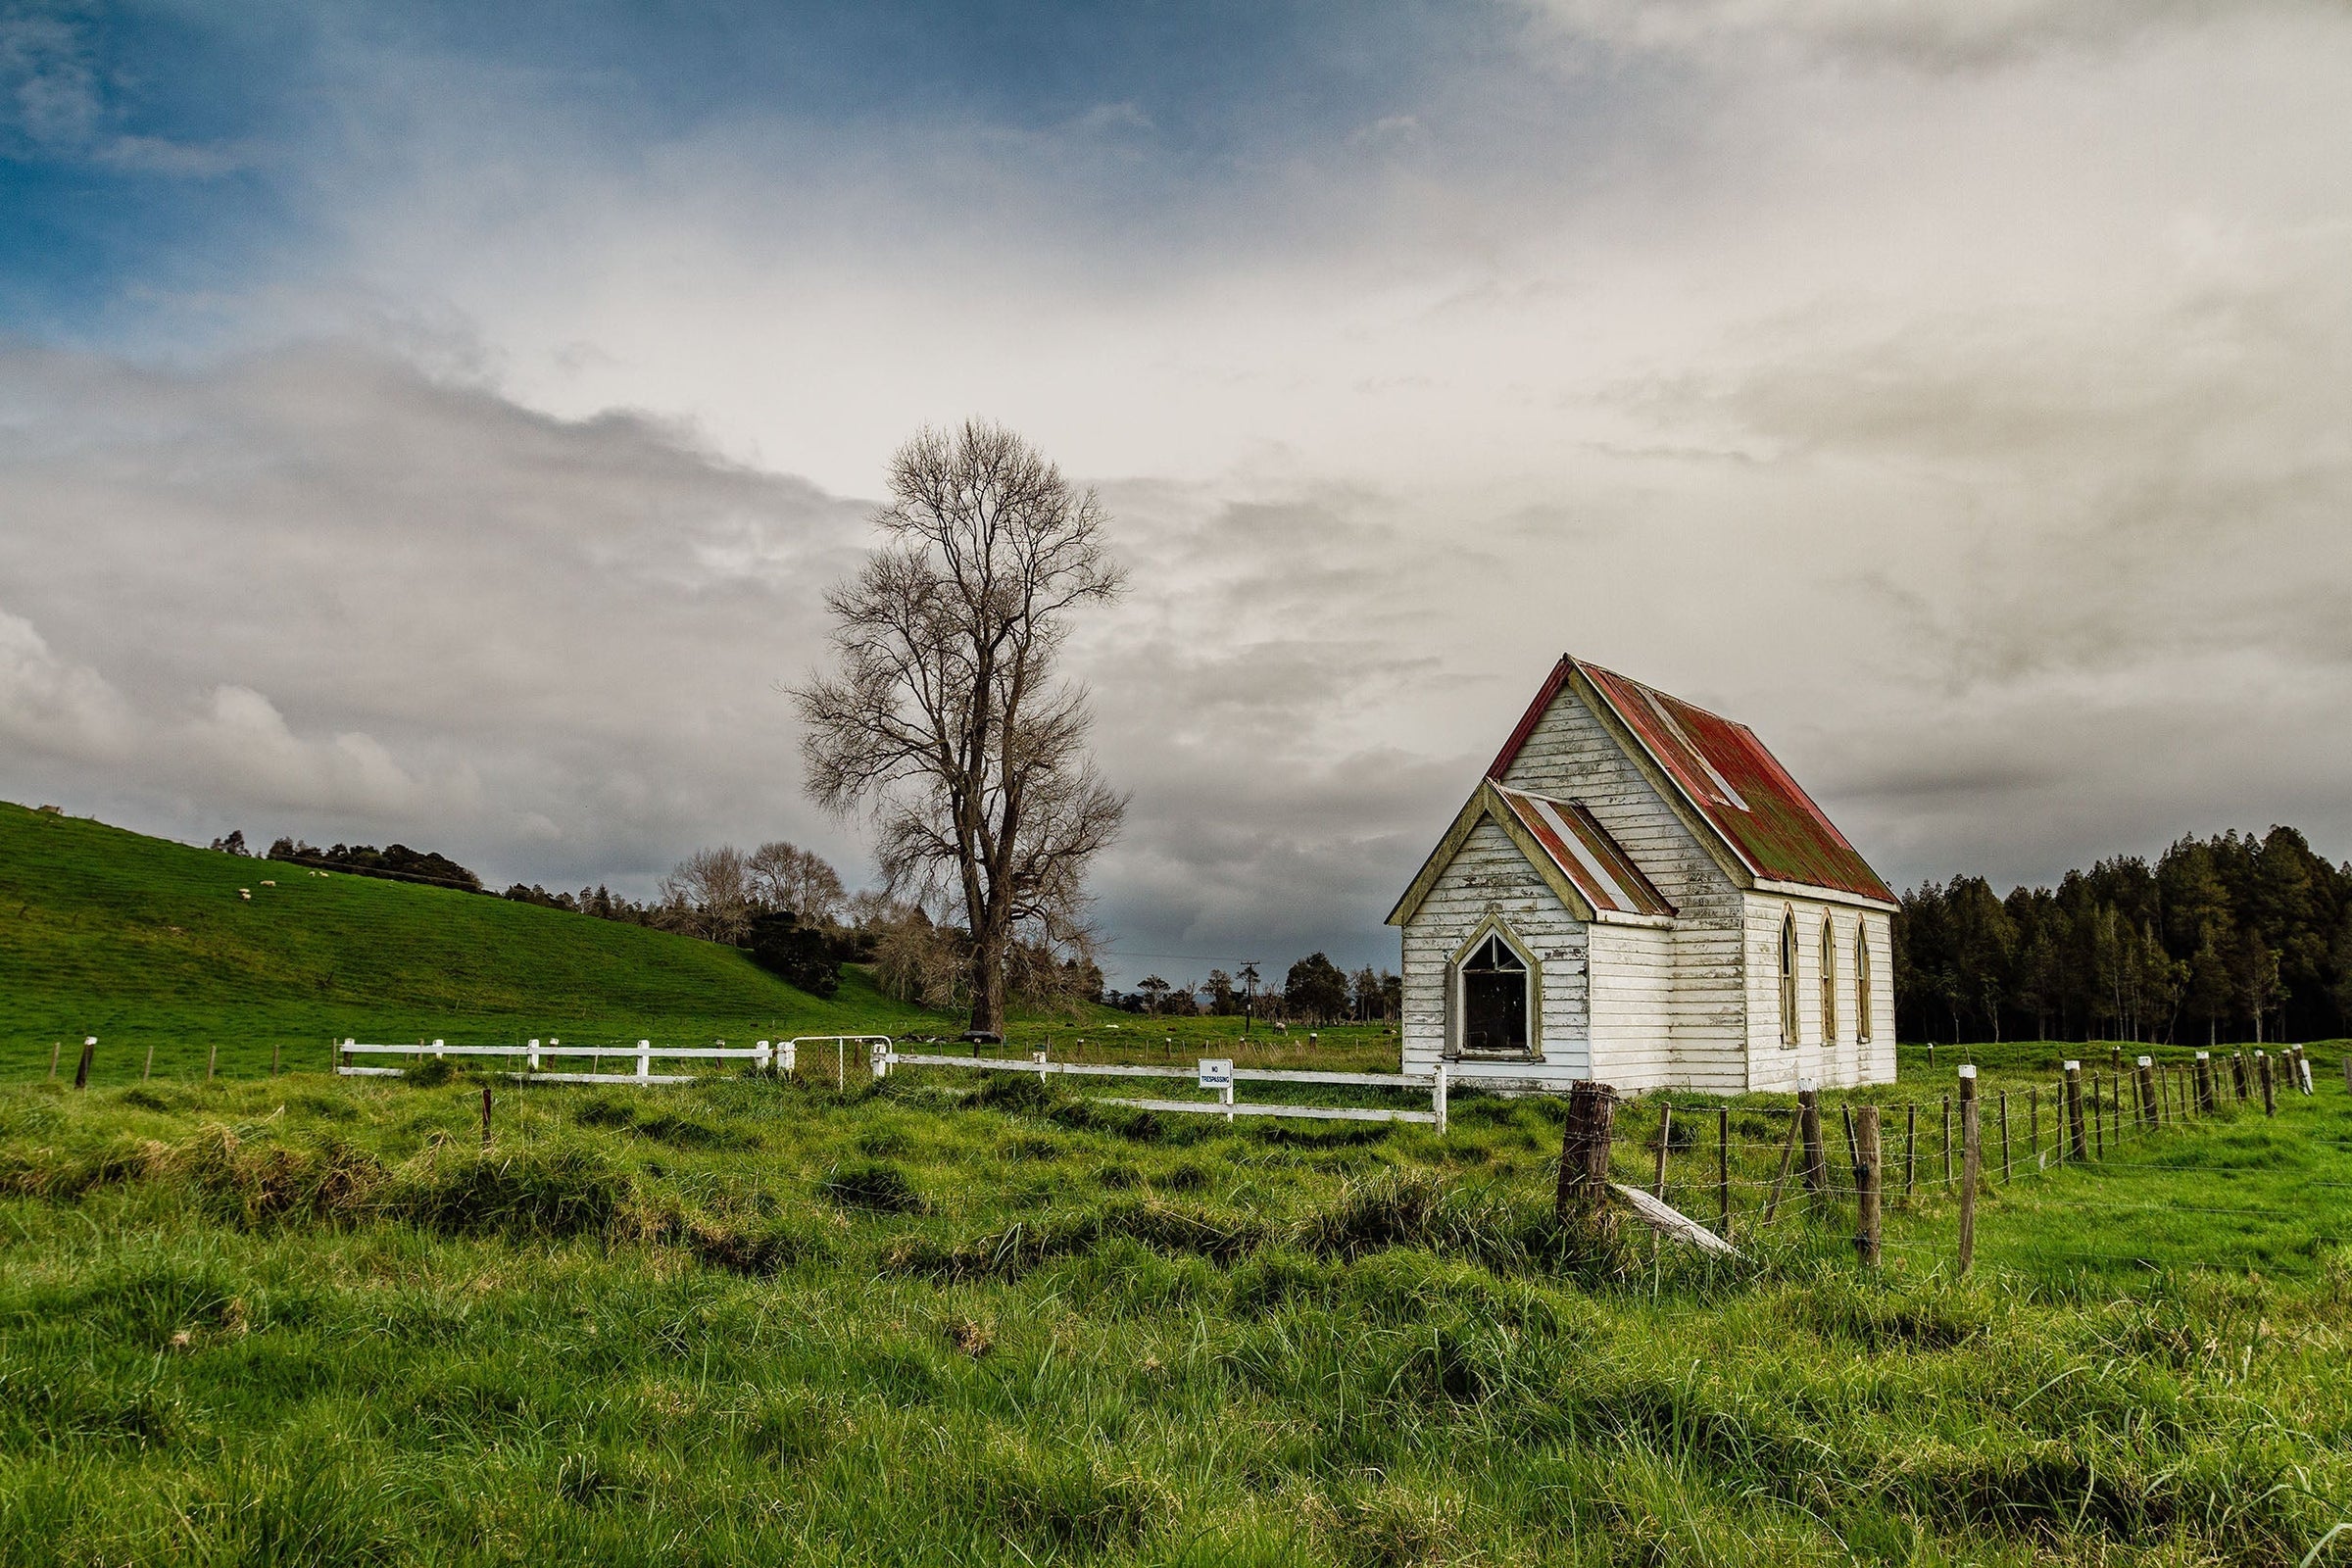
[(1249, 995)]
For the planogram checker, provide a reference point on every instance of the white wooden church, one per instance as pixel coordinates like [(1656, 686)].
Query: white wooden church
[(1638, 893)]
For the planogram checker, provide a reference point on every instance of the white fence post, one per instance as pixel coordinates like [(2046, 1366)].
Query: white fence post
[(1038, 1058), (791, 1057), (645, 1060), (436, 1050), (877, 1057), (1437, 1099), (760, 1061), (534, 1057)]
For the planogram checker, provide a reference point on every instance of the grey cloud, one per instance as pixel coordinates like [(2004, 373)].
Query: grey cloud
[(322, 584), (1928, 36)]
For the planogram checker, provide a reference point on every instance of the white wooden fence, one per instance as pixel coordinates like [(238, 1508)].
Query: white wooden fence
[(1213, 1074), (781, 1056)]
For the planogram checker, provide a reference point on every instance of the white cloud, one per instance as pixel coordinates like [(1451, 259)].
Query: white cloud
[(53, 705)]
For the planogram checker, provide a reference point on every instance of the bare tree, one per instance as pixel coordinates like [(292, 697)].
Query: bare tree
[(708, 894), (945, 718), (785, 876)]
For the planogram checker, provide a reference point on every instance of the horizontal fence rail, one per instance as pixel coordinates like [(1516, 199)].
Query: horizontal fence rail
[(780, 1056), (1219, 1076)]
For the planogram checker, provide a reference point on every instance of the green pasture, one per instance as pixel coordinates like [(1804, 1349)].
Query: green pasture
[(313, 1320), (146, 943), (969, 1317)]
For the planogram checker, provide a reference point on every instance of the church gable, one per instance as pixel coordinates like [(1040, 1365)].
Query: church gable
[(1719, 778), (1587, 872)]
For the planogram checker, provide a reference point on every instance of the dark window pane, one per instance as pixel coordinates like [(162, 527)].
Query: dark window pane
[(1494, 1011)]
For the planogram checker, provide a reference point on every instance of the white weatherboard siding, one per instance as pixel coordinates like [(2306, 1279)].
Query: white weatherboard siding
[(1489, 875), (1841, 1060), (1633, 987), (1701, 1012)]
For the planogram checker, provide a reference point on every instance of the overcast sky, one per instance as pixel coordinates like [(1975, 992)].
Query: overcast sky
[(440, 422)]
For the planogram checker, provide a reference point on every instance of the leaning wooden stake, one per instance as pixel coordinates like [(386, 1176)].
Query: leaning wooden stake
[(1723, 1169), (1867, 1182), (211, 1060), (1816, 1170), (1910, 1152), (272, 1059), (2078, 1143), (1665, 1142), (485, 1115), (1779, 1180), (1972, 1161), (1583, 1199), (82, 1070), (2270, 1097), (1948, 1142), (2006, 1173), (55, 1046), (148, 1071)]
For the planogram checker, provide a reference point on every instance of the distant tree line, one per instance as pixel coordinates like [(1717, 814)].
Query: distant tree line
[(2227, 938), (396, 861), (1314, 991)]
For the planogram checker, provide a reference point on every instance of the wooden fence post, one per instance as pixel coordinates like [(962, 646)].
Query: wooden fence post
[(2098, 1123), (1972, 1163), (485, 1117), (1583, 1200), (2034, 1124), (2146, 1076), (1866, 1186), (1723, 1168), (1910, 1152), (81, 1069), (211, 1060), (55, 1046), (2208, 1091), (1808, 1116), (2346, 1064), (2262, 1070), (273, 1045), (2077, 1136), (1947, 1142), (2007, 1175), (148, 1071)]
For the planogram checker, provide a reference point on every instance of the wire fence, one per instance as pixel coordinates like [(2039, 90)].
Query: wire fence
[(1747, 1170)]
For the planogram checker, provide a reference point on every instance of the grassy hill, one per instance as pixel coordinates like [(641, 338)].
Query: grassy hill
[(141, 941)]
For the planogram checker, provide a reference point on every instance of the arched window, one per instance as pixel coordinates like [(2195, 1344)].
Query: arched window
[(1495, 997), (1789, 978), (1862, 981), (1828, 983)]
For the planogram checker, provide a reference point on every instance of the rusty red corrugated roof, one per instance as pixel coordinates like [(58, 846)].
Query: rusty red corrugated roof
[(1586, 853), (1741, 790)]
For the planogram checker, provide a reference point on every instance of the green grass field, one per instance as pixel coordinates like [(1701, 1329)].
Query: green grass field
[(310, 1320), (146, 943), (143, 942), (969, 1318)]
